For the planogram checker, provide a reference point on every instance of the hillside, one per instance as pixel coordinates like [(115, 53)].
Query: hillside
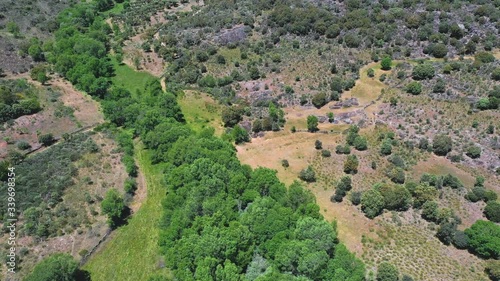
[(256, 140)]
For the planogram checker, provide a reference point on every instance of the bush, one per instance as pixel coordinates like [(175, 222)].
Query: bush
[(343, 149), (370, 72), (484, 239), (452, 181), (396, 197), (460, 240), (360, 143), (438, 50), (473, 151), (318, 144), (495, 74), (312, 123), (23, 145), (326, 153), (492, 211), (387, 272), (285, 163), (423, 71), (240, 135), (58, 267), (308, 174), (430, 211), (319, 100), (356, 198), (386, 147), (372, 203), (46, 139), (446, 232), (441, 145), (484, 57), (130, 185), (114, 207), (397, 175), (493, 270), (414, 88), (351, 164), (386, 63)]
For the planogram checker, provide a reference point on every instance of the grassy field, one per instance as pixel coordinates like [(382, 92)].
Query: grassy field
[(201, 111), (130, 79), (132, 252)]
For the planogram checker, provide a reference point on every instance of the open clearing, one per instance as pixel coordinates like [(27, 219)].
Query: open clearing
[(134, 245)]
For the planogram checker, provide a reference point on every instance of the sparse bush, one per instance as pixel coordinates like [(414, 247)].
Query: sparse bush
[(318, 144), (356, 198), (46, 139), (387, 272), (326, 153)]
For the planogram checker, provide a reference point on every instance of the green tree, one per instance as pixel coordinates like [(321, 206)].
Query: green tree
[(318, 144), (372, 203), (240, 135), (484, 239), (423, 71), (114, 207), (386, 63), (58, 267), (442, 144), (430, 211), (492, 211), (312, 123), (387, 272)]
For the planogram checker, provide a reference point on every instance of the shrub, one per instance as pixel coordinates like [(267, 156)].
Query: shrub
[(23, 145), (423, 71), (387, 272), (484, 57), (58, 267), (360, 143), (356, 198), (386, 63), (460, 240), (492, 211), (386, 147), (372, 203), (319, 100), (285, 163), (370, 72), (318, 144), (46, 139), (484, 239), (326, 153), (312, 123), (495, 74), (308, 174), (240, 135), (473, 151), (442, 144), (452, 181), (343, 149), (446, 232), (493, 270), (396, 197), (430, 211), (397, 175), (438, 50), (351, 164), (414, 88), (114, 207), (130, 185)]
